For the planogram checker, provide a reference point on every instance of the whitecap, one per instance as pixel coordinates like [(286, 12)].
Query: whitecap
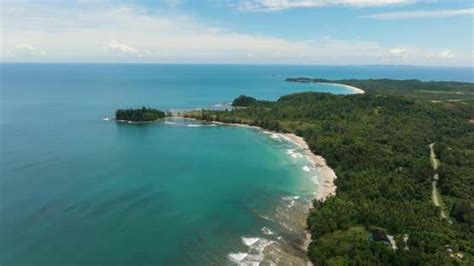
[(170, 123), (255, 255), (275, 136), (255, 252), (193, 125), (237, 257), (267, 231), (107, 118), (286, 138), (249, 241), (291, 200), (306, 168), (290, 197)]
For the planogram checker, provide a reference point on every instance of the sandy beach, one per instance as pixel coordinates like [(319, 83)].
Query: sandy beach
[(326, 187), (352, 88)]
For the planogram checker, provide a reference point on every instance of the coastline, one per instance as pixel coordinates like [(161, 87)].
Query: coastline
[(327, 176), (355, 90), (326, 186)]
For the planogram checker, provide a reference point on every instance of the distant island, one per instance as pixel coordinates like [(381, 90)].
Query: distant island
[(392, 206), (139, 115)]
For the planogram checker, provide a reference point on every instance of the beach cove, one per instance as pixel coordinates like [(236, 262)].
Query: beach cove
[(325, 187)]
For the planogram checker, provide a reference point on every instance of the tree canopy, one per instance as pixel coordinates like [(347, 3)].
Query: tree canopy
[(244, 101), (139, 115), (378, 145)]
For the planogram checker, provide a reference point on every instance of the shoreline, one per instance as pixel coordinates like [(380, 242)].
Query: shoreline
[(355, 90), (326, 186), (327, 176)]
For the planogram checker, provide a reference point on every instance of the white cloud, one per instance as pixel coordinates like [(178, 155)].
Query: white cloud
[(130, 34), (398, 52), (423, 14), (273, 5), (447, 54), (27, 49), (122, 48)]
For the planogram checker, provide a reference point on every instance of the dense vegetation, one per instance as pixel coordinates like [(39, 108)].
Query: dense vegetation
[(243, 100), (139, 115), (378, 145), (433, 90)]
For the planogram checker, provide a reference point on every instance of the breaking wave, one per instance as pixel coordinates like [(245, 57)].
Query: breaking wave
[(254, 255)]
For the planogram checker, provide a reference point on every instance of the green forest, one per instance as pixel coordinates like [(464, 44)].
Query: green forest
[(378, 145), (139, 115)]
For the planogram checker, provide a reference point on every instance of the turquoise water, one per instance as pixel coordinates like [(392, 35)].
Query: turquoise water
[(78, 190)]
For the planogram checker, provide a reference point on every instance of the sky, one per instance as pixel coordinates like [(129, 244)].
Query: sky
[(321, 32)]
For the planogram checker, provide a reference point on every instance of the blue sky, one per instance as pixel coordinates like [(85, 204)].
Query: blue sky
[(341, 32)]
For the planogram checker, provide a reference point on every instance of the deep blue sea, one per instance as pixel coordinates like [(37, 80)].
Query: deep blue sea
[(78, 190)]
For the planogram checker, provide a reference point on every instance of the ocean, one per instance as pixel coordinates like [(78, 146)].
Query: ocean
[(78, 190)]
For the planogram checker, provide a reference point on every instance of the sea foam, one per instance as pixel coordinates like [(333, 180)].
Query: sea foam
[(249, 241), (294, 154), (237, 257), (275, 137), (291, 200), (267, 231), (255, 255)]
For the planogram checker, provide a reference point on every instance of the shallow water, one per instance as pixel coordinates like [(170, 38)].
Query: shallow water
[(79, 190)]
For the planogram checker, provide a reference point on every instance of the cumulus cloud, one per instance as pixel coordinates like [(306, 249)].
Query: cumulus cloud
[(423, 14), (273, 5), (447, 54), (398, 52), (122, 48)]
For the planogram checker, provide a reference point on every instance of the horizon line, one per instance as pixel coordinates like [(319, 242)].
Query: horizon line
[(230, 63)]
